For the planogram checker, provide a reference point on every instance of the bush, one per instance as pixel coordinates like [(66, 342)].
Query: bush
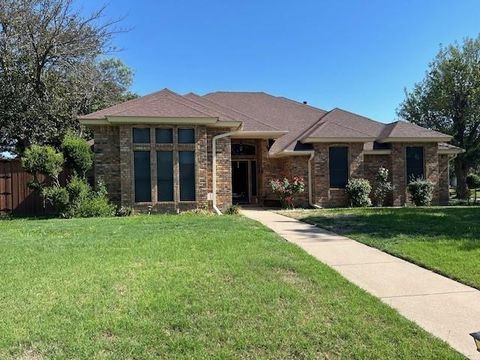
[(286, 189), (233, 210), (473, 183), (43, 160), (358, 191), (78, 154), (421, 192), (58, 198), (383, 187), (78, 189), (124, 211), (94, 206)]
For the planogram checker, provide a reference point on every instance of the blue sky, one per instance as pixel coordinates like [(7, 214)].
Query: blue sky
[(356, 55)]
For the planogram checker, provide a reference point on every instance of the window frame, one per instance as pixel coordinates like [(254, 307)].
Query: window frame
[(347, 166), (175, 147)]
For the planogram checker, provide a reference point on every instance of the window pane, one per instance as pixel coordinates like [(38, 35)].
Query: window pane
[(165, 175), (163, 136), (141, 164), (414, 163), (338, 165), (187, 175), (186, 136), (141, 135)]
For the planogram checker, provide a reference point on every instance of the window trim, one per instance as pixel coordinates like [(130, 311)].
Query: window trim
[(348, 166)]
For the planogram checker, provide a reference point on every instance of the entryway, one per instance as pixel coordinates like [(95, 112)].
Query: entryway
[(244, 181)]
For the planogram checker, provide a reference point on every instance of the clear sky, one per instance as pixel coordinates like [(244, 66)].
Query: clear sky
[(357, 55)]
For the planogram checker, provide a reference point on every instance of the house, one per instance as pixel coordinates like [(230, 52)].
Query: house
[(176, 152)]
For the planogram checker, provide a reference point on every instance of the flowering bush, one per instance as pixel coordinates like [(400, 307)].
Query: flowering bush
[(383, 187), (286, 189), (358, 191)]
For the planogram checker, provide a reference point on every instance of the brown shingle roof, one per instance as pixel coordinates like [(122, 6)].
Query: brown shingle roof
[(164, 103), (339, 123), (402, 129), (258, 111)]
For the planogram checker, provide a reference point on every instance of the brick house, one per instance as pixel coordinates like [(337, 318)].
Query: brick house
[(173, 152)]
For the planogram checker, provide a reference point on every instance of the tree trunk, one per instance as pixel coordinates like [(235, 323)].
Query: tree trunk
[(461, 170)]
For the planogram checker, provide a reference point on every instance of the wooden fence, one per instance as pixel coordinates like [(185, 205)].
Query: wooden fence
[(16, 197)]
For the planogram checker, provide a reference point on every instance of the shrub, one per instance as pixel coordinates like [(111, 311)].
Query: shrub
[(286, 189), (78, 154), (43, 160), (358, 191), (78, 189), (421, 192), (473, 183), (58, 198), (94, 206), (124, 211), (383, 187), (233, 210)]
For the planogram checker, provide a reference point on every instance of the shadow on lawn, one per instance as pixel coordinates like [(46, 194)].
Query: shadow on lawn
[(425, 224)]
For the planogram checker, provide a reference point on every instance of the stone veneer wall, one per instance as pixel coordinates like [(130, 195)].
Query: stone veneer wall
[(224, 168), (107, 160), (444, 177)]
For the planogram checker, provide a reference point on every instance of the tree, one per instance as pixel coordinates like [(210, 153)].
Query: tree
[(448, 100), (52, 69)]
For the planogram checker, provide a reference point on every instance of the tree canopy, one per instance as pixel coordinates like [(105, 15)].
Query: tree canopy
[(54, 67), (448, 100)]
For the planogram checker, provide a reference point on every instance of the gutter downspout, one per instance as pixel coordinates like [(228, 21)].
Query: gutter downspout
[(310, 187), (214, 169)]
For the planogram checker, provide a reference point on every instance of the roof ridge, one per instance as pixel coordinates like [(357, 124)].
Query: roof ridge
[(307, 130), (185, 102), (237, 111), (298, 103), (132, 103), (196, 102)]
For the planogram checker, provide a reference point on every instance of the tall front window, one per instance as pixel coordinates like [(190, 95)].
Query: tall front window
[(186, 160), (164, 164), (338, 166), (141, 165), (415, 168), (165, 175)]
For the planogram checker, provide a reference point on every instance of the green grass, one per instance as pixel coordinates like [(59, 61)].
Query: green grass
[(185, 286), (444, 239)]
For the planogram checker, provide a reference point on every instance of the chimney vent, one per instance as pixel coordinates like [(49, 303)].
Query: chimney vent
[(305, 103)]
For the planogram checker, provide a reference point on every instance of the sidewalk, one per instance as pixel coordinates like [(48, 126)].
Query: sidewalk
[(445, 308)]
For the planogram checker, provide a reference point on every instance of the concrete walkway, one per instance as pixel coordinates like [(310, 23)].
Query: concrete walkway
[(445, 308)]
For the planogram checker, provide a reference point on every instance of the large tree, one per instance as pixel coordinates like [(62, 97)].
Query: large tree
[(53, 67), (448, 100)]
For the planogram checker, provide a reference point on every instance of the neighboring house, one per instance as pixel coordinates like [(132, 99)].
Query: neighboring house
[(157, 151)]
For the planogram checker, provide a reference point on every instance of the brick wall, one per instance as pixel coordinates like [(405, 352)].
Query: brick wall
[(114, 162), (399, 180), (107, 159)]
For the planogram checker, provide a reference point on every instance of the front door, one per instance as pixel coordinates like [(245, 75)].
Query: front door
[(240, 182)]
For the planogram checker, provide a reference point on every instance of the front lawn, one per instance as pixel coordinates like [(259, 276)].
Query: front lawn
[(444, 239), (185, 286)]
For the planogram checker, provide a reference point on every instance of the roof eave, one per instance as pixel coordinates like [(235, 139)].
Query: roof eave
[(259, 134), (336, 139), (415, 139), (118, 120)]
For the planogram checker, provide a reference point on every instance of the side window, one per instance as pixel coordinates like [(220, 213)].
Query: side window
[(415, 168), (186, 161), (338, 165), (165, 175), (141, 135), (186, 136), (141, 165)]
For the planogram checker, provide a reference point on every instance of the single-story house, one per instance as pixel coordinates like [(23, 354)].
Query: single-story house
[(172, 152)]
